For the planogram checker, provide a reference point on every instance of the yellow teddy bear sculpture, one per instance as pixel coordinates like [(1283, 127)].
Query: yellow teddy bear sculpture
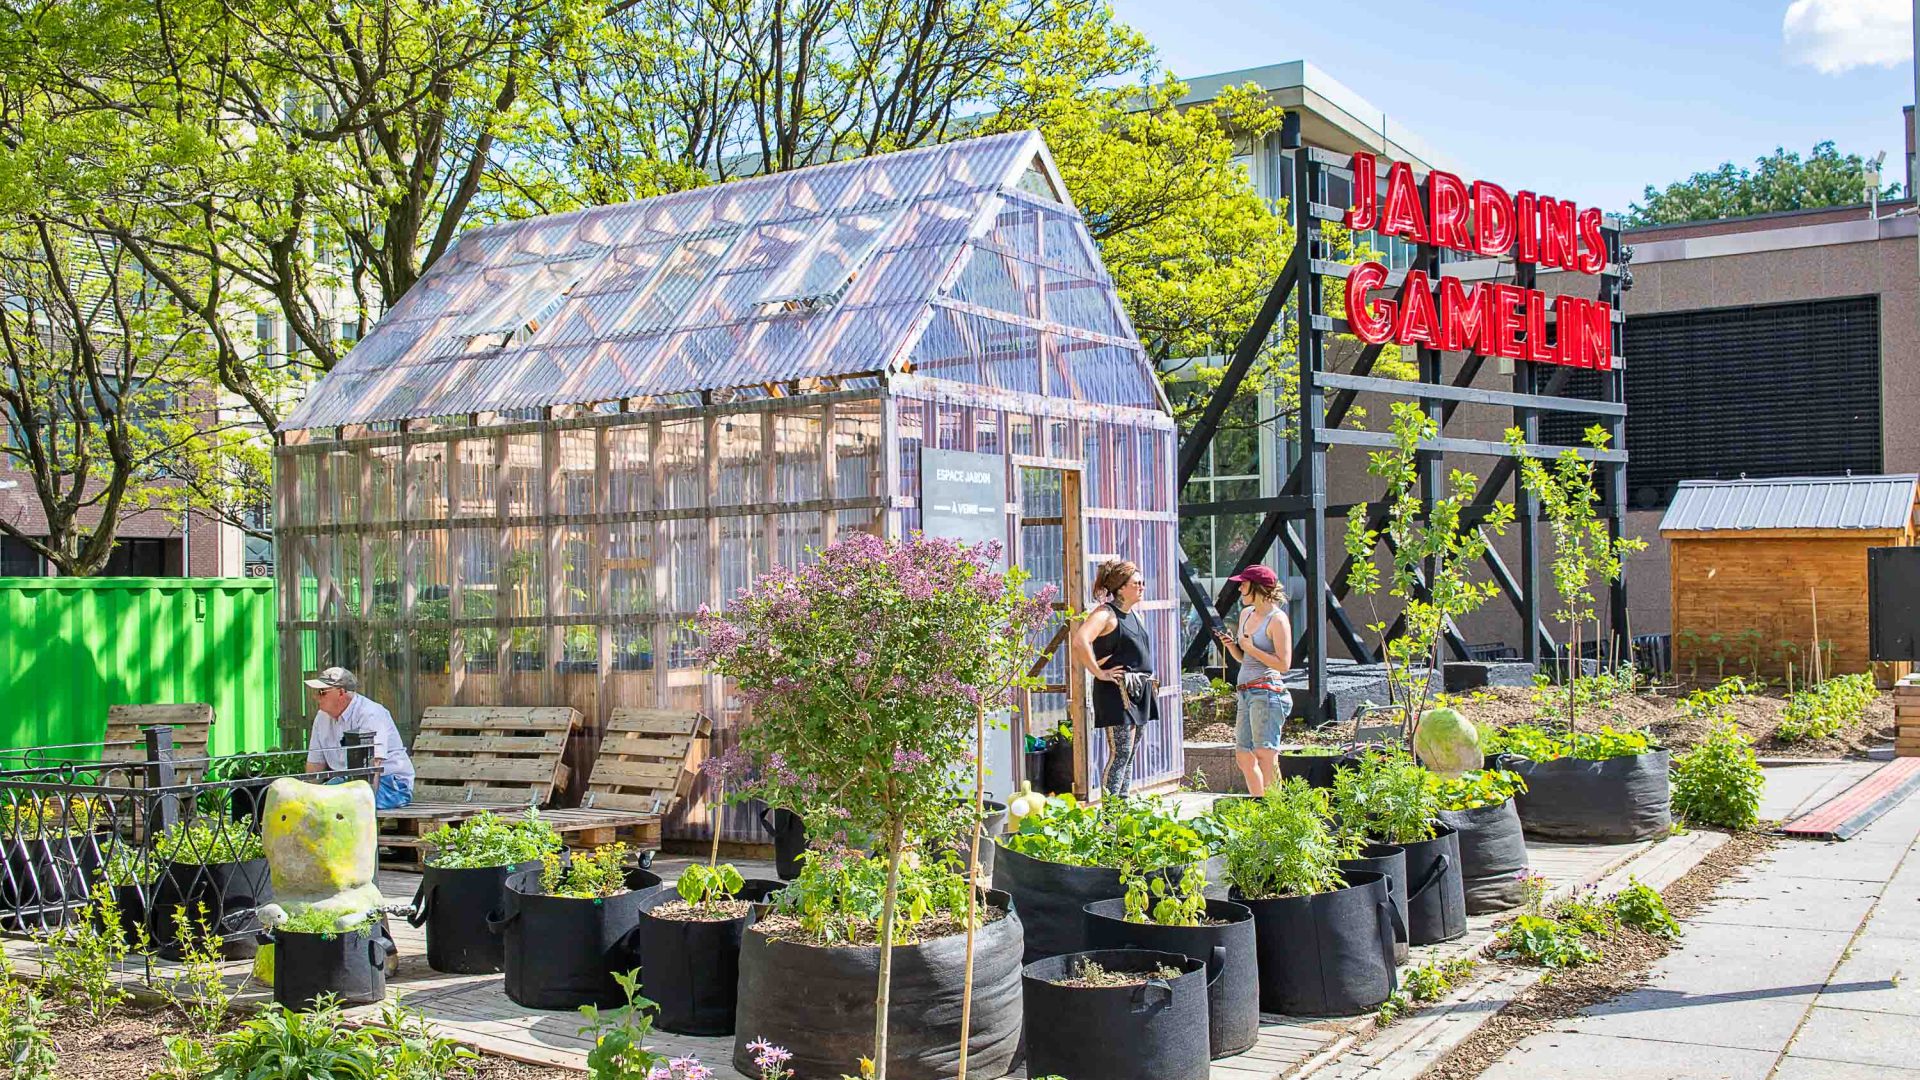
[(321, 843)]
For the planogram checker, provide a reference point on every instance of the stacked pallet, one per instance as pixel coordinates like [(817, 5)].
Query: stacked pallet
[(1906, 717)]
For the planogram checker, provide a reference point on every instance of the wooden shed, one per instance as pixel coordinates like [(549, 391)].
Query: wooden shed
[(1754, 563)]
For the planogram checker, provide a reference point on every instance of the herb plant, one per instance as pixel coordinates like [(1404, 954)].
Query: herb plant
[(79, 960), (1539, 939), (704, 888), (206, 841), (840, 897), (1538, 744), (619, 1036), (485, 840), (1152, 900), (1719, 782), (326, 924), (1137, 835), (1641, 906), (1430, 981), (1477, 789), (319, 1042), (1384, 796), (25, 1041), (601, 872), (1279, 844)]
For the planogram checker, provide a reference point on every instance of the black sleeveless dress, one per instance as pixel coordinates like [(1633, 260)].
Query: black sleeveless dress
[(1132, 650)]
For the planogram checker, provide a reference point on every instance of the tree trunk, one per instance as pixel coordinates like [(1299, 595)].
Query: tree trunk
[(885, 992), (973, 868)]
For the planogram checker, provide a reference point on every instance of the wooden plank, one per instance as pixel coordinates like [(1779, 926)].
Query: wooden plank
[(656, 722), (181, 713), (648, 748), (635, 774), (532, 771), (531, 718), (483, 796), (619, 800), (437, 743)]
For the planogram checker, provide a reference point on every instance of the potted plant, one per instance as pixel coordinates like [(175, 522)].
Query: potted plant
[(690, 936), (128, 874), (808, 970), (1180, 918), (1480, 807), (869, 674), (319, 953), (569, 927), (1387, 798), (1117, 1014), (1063, 855), (1324, 939), (1604, 786), (52, 857), (464, 883), (215, 864)]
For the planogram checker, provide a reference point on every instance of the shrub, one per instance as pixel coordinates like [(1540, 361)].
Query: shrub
[(25, 1045), (1827, 709), (485, 840), (1279, 844), (599, 873), (1137, 835), (1385, 796), (199, 989), (1642, 907), (704, 887), (1719, 781)]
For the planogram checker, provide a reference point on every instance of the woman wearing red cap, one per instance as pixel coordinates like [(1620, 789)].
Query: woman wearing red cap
[(1263, 644)]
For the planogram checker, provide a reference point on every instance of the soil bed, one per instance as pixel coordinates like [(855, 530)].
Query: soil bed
[(788, 928), (681, 911), (1087, 974)]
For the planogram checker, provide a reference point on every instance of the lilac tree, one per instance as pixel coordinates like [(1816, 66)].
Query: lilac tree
[(865, 673)]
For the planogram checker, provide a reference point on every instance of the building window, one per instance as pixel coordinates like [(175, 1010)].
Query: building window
[(19, 560), (139, 558), (1763, 391), (1230, 470)]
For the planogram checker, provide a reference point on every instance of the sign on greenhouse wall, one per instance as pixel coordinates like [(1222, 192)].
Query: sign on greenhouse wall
[(963, 496), (1480, 219)]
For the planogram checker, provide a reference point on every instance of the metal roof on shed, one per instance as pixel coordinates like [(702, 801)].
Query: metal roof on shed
[(1794, 502)]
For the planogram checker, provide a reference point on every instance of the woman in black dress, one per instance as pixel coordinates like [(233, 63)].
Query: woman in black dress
[(1112, 643)]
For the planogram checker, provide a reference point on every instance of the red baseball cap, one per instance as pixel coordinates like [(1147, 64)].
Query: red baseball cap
[(1257, 575)]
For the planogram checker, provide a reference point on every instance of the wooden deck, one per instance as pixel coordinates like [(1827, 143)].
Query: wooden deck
[(475, 1010)]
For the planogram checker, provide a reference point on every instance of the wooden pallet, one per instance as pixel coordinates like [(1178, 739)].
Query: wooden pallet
[(646, 760), (192, 726), (402, 833), (492, 755)]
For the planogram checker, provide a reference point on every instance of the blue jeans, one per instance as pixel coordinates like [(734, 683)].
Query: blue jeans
[(1259, 718), (392, 793)]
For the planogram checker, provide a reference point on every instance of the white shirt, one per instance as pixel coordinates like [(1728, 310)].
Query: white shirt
[(361, 714)]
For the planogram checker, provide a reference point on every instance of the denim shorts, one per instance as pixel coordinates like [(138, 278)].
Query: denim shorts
[(1260, 716), (392, 793)]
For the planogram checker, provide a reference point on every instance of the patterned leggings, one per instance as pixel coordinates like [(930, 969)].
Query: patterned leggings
[(1122, 739)]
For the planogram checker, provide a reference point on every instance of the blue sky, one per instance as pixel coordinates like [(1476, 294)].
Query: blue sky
[(1584, 100)]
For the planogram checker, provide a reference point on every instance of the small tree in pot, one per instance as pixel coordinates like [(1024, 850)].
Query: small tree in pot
[(866, 673)]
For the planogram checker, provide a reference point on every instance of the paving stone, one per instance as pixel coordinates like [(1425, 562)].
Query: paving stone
[(1869, 1038), (1571, 1056), (1794, 1067), (1716, 958), (1882, 974), (1794, 903), (1735, 1018), (1851, 860)]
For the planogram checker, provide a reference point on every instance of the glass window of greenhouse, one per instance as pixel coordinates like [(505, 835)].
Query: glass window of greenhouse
[(578, 429)]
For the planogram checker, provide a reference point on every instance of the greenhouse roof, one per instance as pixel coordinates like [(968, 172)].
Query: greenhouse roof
[(964, 261)]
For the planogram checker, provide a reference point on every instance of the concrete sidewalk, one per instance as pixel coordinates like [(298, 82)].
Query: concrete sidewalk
[(1809, 969)]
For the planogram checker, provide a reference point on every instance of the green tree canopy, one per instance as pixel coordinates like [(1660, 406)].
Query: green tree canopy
[(1778, 181)]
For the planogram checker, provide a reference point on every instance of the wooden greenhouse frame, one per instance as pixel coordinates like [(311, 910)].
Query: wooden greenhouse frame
[(577, 430)]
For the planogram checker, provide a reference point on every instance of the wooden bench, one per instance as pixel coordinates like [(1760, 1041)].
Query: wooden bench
[(192, 725), (646, 760)]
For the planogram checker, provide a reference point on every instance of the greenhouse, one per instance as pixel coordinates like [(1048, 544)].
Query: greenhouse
[(576, 430)]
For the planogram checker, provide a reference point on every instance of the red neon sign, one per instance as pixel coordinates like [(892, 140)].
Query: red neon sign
[(1481, 219)]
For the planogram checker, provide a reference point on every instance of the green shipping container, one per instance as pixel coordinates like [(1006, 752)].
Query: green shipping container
[(71, 647)]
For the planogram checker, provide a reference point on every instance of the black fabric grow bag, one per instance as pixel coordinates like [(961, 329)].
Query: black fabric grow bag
[(789, 841), (1156, 1030), (818, 1003), (351, 966), (231, 892), (1330, 954), (1052, 897), (1436, 902), (1389, 861), (692, 970), (993, 825), (132, 902), (1617, 801), (1316, 769), (45, 879), (1058, 772), (561, 952), (1493, 856), (1228, 950), (454, 906)]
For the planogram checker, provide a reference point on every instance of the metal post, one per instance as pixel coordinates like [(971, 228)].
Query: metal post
[(359, 748), (1306, 234), (163, 811), (1526, 506)]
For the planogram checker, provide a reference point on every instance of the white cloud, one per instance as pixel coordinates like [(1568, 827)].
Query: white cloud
[(1835, 35)]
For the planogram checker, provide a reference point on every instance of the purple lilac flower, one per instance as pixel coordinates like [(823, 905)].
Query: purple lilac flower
[(908, 760)]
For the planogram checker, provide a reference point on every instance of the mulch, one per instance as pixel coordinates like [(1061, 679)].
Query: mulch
[(1626, 965)]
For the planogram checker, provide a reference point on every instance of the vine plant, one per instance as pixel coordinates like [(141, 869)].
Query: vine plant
[(1581, 547), (1431, 549)]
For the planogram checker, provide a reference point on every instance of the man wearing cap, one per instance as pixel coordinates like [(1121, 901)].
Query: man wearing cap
[(342, 709)]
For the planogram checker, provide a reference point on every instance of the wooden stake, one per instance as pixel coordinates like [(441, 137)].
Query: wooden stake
[(713, 812), (1819, 667), (973, 882)]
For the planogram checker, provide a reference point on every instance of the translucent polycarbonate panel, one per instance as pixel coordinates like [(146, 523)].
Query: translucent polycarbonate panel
[(1084, 303), (823, 271), (740, 473)]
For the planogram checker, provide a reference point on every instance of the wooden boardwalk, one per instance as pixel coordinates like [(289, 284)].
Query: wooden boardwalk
[(474, 1009)]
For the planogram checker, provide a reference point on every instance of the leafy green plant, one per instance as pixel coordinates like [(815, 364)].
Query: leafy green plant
[(1538, 939), (704, 888), (280, 1044), (1431, 545), (1311, 751), (326, 924), (1538, 744), (1641, 906), (123, 864), (1709, 702), (1586, 914), (485, 840), (840, 896), (599, 873), (1476, 789), (619, 1035), (1384, 796), (1430, 981), (1138, 834), (25, 1043), (208, 840), (79, 960), (1719, 782), (1152, 900), (1826, 709), (1280, 845), (50, 818), (199, 990)]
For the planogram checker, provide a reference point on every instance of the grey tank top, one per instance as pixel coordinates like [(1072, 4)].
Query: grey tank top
[(1252, 670)]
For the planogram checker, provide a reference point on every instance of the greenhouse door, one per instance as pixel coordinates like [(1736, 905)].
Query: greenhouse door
[(1052, 551)]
